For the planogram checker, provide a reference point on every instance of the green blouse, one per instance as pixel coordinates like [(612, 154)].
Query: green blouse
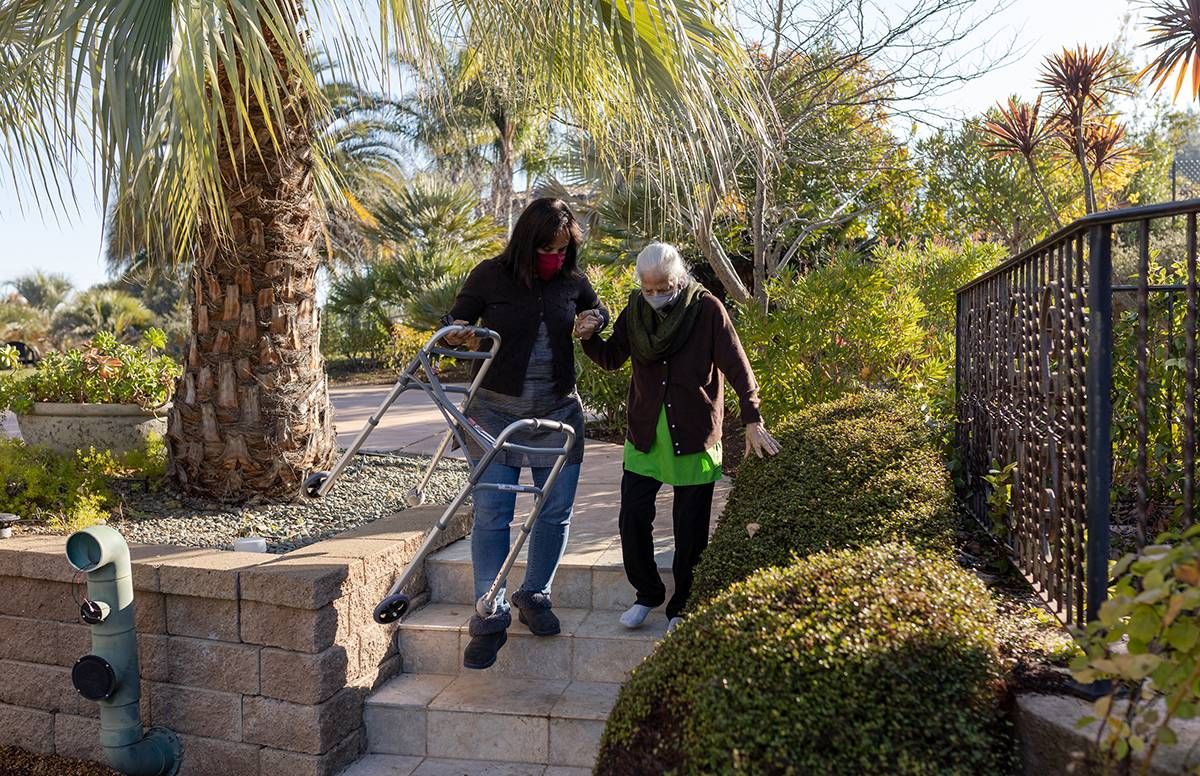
[(662, 464)]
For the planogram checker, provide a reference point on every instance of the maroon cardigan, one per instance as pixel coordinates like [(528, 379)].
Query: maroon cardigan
[(689, 383)]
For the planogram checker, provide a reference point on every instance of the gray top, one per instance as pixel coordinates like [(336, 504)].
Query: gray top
[(494, 411)]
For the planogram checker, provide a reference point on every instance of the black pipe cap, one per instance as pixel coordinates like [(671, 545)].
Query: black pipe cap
[(94, 678)]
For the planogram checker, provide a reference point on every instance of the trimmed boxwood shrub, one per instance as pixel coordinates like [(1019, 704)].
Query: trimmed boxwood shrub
[(877, 660), (856, 471)]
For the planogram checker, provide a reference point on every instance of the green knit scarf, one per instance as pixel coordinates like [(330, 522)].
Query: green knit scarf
[(654, 335)]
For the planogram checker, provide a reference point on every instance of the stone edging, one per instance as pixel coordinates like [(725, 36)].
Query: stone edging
[(260, 662), (1051, 743)]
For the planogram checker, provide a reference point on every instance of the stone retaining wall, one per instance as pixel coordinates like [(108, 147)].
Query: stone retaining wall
[(260, 662), (1052, 743)]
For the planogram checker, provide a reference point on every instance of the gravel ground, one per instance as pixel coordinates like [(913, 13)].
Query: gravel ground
[(18, 762), (372, 486)]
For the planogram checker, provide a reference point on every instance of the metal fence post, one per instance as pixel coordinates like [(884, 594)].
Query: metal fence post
[(1099, 414)]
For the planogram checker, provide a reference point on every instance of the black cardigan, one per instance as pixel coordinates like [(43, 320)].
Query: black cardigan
[(493, 297)]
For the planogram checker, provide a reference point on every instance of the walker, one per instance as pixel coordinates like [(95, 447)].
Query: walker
[(318, 484)]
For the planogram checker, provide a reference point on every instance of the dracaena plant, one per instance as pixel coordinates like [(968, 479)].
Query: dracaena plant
[(1019, 129), (1081, 82), (1175, 34)]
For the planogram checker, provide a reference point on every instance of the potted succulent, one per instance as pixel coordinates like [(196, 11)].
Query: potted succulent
[(106, 395)]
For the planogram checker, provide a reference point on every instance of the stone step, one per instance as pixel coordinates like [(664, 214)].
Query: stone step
[(402, 765), (588, 577), (489, 718), (593, 645)]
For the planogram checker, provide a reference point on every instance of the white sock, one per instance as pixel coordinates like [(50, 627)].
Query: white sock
[(635, 616), (673, 623)]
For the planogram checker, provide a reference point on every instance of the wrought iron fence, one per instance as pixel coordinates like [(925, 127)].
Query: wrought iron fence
[(1076, 382)]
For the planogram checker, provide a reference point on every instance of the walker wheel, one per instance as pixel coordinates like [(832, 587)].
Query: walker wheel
[(313, 484), (391, 608)]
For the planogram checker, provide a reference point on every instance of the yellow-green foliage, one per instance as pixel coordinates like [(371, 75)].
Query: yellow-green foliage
[(857, 471), (70, 491), (1147, 640), (871, 661), (850, 324), (404, 344)]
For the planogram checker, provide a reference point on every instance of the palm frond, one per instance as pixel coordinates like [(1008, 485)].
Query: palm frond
[(164, 95), (1175, 33)]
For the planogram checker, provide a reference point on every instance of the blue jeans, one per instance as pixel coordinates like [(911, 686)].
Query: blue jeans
[(547, 538)]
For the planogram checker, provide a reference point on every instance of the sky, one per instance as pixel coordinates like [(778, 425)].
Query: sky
[(72, 245)]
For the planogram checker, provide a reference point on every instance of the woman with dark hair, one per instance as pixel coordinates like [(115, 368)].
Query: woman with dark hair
[(530, 295)]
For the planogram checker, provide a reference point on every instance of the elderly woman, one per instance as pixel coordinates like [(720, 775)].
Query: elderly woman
[(530, 295), (683, 345)]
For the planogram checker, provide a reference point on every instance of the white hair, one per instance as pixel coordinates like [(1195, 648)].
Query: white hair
[(661, 257)]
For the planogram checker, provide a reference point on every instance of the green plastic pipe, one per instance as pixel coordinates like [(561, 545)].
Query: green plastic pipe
[(101, 552)]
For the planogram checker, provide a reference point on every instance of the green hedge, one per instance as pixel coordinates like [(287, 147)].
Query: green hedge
[(856, 471), (877, 660)]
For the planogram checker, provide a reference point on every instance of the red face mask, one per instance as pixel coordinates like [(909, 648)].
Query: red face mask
[(549, 264)]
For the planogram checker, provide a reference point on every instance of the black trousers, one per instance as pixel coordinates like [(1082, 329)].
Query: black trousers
[(690, 514)]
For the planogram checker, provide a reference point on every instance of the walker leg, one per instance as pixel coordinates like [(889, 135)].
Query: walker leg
[(486, 604), (416, 495)]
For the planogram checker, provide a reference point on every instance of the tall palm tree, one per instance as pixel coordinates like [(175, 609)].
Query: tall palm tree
[(102, 309), (207, 111), (473, 116), (1019, 131), (44, 291)]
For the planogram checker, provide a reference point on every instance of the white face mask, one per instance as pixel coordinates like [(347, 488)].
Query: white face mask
[(659, 301)]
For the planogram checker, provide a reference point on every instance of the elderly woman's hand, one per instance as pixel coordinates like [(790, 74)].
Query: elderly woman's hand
[(587, 323), (759, 442)]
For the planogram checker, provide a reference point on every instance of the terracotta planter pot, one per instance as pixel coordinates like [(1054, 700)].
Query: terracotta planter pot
[(70, 427)]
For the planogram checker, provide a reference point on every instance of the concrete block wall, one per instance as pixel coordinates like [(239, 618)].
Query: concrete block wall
[(260, 663)]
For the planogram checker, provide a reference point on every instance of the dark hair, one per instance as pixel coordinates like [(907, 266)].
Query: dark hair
[(540, 222)]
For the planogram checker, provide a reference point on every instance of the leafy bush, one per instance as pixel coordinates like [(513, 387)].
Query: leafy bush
[(1147, 639), (39, 484), (878, 660), (857, 471), (607, 393), (105, 372), (853, 324), (72, 490), (406, 341), (356, 320)]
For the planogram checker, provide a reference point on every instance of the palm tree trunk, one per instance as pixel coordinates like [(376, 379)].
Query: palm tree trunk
[(502, 171), (252, 415), (1037, 181)]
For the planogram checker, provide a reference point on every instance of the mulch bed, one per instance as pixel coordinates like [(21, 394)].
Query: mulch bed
[(18, 762), (372, 486)]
